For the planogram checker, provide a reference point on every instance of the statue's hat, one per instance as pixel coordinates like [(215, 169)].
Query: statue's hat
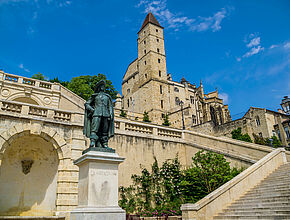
[(99, 84)]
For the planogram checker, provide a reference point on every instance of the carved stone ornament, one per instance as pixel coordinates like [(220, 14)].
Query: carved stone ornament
[(26, 166)]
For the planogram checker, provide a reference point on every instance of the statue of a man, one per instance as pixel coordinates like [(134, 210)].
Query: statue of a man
[(99, 117)]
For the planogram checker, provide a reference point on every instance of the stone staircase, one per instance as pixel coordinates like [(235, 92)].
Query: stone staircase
[(268, 200)]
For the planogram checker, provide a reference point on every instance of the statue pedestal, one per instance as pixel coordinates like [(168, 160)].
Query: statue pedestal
[(98, 187)]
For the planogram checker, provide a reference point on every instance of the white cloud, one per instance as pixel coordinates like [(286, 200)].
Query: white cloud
[(286, 45), (175, 21), (225, 97), (253, 51), (21, 66), (254, 42), (273, 46)]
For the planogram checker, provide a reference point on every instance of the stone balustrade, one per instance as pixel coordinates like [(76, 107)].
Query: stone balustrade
[(28, 81), (13, 108)]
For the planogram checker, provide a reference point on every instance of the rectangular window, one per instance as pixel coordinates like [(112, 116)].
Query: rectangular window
[(157, 40), (156, 30), (158, 60), (145, 75), (144, 51), (279, 135), (159, 73), (258, 121), (157, 50), (128, 102), (144, 41), (286, 129), (191, 99), (145, 62), (161, 103), (160, 89)]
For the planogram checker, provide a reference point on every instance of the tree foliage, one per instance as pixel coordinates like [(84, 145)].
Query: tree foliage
[(162, 191), (166, 121), (83, 86), (39, 76), (272, 142), (237, 134), (146, 117)]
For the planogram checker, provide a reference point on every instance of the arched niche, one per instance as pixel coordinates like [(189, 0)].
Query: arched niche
[(28, 177), (27, 100)]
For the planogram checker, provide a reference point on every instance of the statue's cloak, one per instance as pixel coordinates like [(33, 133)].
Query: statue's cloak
[(88, 117)]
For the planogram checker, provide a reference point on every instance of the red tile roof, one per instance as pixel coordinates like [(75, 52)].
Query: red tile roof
[(150, 19)]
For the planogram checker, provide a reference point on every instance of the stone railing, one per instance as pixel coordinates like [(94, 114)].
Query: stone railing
[(19, 109), (135, 127), (7, 77), (216, 201)]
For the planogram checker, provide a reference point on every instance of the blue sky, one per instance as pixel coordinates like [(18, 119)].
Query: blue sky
[(240, 47)]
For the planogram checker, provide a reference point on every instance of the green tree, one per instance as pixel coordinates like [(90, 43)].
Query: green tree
[(165, 188), (209, 171), (63, 83), (146, 117), (166, 121), (123, 113), (39, 76), (237, 134), (84, 86)]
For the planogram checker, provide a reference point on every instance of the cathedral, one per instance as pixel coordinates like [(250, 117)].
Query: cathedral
[(148, 87)]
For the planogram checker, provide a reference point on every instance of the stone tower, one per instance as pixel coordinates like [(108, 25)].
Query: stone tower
[(144, 84)]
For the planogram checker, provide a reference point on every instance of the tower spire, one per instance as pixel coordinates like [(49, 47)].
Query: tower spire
[(150, 19)]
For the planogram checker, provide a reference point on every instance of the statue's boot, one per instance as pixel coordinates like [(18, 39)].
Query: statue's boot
[(93, 143), (105, 141)]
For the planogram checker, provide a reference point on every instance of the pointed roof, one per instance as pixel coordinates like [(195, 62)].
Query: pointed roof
[(150, 19)]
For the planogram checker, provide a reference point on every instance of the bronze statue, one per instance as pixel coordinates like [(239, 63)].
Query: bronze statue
[(99, 118)]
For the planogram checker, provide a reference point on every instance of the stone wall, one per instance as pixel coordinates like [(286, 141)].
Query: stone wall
[(55, 136)]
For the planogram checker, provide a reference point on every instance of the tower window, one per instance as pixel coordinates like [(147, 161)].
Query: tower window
[(160, 89), (161, 103), (158, 50), (145, 62), (145, 75), (159, 73), (258, 121), (145, 51), (144, 32), (158, 60), (128, 103), (144, 41), (157, 40), (156, 30)]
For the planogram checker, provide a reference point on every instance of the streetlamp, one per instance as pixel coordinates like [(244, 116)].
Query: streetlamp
[(181, 104), (285, 104)]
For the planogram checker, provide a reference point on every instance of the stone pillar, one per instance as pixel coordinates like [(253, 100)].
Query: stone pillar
[(98, 187)]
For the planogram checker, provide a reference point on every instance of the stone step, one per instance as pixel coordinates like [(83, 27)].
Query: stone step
[(257, 191), (266, 195), (254, 209), (265, 198), (277, 180), (253, 217), (274, 185), (260, 205), (262, 201), (256, 212)]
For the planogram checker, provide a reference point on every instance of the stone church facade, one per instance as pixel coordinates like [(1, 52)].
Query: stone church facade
[(147, 87)]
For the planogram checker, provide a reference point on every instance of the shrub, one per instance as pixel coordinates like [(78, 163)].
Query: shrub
[(146, 117), (237, 134)]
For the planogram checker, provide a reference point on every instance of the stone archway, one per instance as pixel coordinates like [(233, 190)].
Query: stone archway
[(28, 172)]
